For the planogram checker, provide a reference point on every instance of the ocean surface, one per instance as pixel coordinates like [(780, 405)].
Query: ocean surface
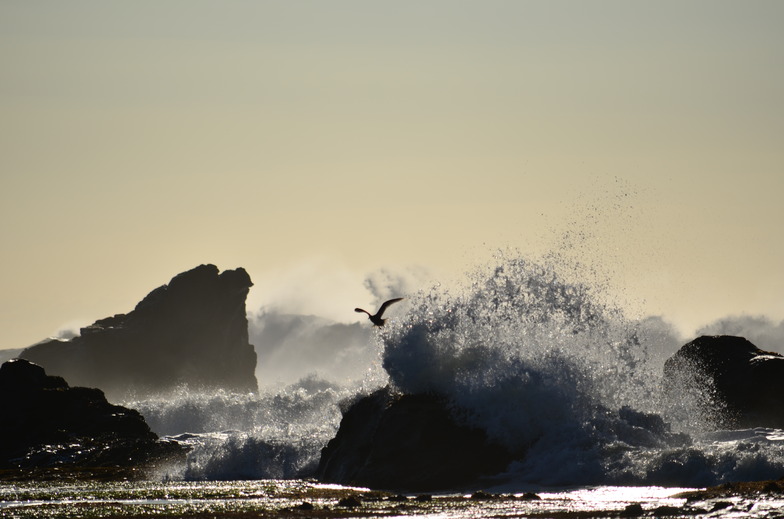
[(543, 363)]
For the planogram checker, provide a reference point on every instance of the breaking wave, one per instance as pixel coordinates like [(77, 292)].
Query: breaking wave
[(544, 364), (549, 369), (273, 434)]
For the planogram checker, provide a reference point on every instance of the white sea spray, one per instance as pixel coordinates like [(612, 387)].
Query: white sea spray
[(550, 369)]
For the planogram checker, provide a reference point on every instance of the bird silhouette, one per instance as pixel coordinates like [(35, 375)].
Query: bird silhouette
[(376, 319)]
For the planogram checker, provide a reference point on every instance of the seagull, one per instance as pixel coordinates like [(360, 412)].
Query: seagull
[(376, 319)]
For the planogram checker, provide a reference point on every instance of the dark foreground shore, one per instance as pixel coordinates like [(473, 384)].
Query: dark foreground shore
[(739, 489), (96, 494)]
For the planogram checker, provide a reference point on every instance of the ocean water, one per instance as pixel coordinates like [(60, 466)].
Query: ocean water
[(545, 364)]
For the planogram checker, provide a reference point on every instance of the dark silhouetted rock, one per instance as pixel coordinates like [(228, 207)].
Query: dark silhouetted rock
[(738, 384), (350, 502), (45, 423), (192, 332), (408, 442), (632, 510)]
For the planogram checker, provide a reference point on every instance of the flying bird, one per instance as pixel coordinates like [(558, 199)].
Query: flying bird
[(376, 319)]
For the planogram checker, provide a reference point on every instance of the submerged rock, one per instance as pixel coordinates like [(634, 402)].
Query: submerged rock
[(192, 331), (734, 382), (46, 423), (407, 442)]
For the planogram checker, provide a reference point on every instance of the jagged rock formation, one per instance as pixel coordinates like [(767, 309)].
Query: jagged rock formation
[(192, 331), (46, 423), (733, 382), (407, 442)]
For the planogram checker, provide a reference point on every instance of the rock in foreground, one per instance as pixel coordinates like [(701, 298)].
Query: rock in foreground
[(46, 423), (192, 332), (734, 382), (408, 442)]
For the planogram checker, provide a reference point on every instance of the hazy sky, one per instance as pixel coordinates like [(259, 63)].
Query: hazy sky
[(315, 142)]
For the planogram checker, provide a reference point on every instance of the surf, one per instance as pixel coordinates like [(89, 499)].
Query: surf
[(543, 363)]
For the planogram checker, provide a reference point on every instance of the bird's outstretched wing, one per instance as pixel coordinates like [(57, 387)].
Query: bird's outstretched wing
[(359, 310), (386, 304)]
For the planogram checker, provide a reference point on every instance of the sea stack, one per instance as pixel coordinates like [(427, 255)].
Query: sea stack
[(190, 332)]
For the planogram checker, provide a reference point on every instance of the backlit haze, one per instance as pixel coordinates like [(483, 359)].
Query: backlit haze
[(323, 144)]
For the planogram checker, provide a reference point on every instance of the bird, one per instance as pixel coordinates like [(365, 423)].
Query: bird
[(376, 319)]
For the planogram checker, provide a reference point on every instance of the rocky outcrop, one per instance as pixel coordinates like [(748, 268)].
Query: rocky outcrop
[(192, 331), (46, 423), (407, 442), (735, 383)]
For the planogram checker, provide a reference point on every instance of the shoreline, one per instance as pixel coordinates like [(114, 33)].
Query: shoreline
[(104, 493)]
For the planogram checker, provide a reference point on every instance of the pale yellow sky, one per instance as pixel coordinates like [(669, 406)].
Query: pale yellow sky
[(314, 142)]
